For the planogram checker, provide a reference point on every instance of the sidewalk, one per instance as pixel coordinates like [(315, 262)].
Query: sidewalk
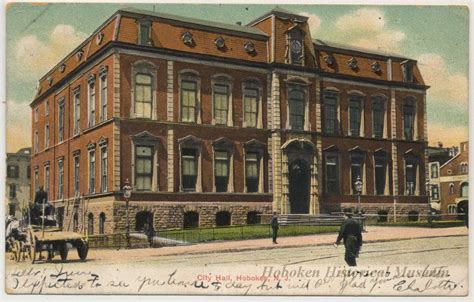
[(373, 234)]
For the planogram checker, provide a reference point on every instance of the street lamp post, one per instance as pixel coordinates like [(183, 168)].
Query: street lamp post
[(127, 193), (428, 194), (358, 187)]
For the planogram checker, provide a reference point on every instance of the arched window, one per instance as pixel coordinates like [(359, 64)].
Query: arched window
[(413, 216), (254, 217), (452, 209), (382, 216), (451, 189), (102, 223), (355, 114), (378, 116), (190, 97), (331, 112), (191, 220), (143, 92), (296, 103), (223, 218), (464, 189), (409, 123), (141, 218)]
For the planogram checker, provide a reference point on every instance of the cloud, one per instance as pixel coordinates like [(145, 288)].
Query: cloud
[(18, 125), (366, 28), (446, 87), (35, 57), (314, 22), (449, 136)]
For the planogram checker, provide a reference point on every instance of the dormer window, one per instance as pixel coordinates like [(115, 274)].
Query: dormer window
[(79, 55), (249, 47), (187, 38), (99, 38), (352, 63), (376, 67), (295, 49), (219, 42), (329, 59), (407, 70), (62, 68), (144, 32)]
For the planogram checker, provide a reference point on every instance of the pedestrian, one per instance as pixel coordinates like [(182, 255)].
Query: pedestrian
[(351, 232), (149, 232), (275, 226)]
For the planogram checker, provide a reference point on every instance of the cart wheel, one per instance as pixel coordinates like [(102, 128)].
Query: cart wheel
[(63, 251), (82, 249)]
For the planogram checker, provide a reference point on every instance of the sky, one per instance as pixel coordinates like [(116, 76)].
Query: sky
[(40, 35)]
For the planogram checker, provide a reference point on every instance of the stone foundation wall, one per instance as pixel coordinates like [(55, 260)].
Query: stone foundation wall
[(402, 210)]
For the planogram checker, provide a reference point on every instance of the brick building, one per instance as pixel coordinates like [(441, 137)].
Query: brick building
[(216, 123), (18, 182), (454, 183)]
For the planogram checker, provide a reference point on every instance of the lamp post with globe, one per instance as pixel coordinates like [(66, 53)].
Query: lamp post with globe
[(127, 193), (358, 187)]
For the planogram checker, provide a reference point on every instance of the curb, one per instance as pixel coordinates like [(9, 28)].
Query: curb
[(234, 250)]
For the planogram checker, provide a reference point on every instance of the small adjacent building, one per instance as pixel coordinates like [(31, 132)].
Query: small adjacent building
[(18, 182), (454, 183)]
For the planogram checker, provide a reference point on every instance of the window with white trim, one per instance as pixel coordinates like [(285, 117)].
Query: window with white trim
[(46, 178), (91, 101), (296, 104), (36, 141), (434, 192), (332, 173), (46, 108), (189, 102), (378, 116), (434, 170), (252, 172), (221, 97), (46, 136), (103, 168), (77, 111), (411, 175), (409, 119), (355, 114), (452, 209), (381, 173), (60, 178), (330, 106), (144, 156), (357, 170), (189, 169), (77, 175), (143, 95), (92, 170), (103, 93), (61, 121), (144, 32), (251, 105), (221, 170)]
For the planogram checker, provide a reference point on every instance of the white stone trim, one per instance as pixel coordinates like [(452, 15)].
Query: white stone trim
[(150, 68), (170, 159), (170, 92), (223, 79)]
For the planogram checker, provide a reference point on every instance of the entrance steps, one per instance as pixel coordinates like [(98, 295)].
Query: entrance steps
[(308, 219)]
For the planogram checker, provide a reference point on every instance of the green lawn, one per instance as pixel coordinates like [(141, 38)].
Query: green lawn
[(242, 232), (424, 224)]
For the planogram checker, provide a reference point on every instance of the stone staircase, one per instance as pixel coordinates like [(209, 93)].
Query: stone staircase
[(307, 219)]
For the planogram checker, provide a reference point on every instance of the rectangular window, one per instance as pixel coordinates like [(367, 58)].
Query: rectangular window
[(221, 170), (77, 112), (252, 172), (189, 169), (355, 110), (60, 179), (103, 169), (330, 113), (28, 172), (103, 97), (76, 175), (36, 115), (380, 174), (36, 141), (407, 69), (46, 136), (332, 174), (46, 179), (188, 101), (145, 30), (250, 107), (61, 122), (13, 171), (143, 95), (11, 209), (12, 191), (409, 119), (296, 108), (91, 172), (410, 178), (46, 108), (221, 103), (434, 171), (36, 180), (91, 104), (378, 116), (435, 192), (143, 168)]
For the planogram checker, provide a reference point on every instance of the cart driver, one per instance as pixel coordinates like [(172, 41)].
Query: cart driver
[(41, 195)]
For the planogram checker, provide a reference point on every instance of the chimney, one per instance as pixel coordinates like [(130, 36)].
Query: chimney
[(239, 23), (440, 145)]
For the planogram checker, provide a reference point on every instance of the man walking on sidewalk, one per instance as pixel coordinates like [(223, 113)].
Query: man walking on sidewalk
[(351, 232), (274, 224)]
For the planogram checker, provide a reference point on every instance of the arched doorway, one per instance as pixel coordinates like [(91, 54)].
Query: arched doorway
[(463, 210), (141, 218), (299, 186)]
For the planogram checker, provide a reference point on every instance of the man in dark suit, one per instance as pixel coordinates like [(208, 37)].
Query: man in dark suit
[(351, 232), (274, 224), (41, 196)]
